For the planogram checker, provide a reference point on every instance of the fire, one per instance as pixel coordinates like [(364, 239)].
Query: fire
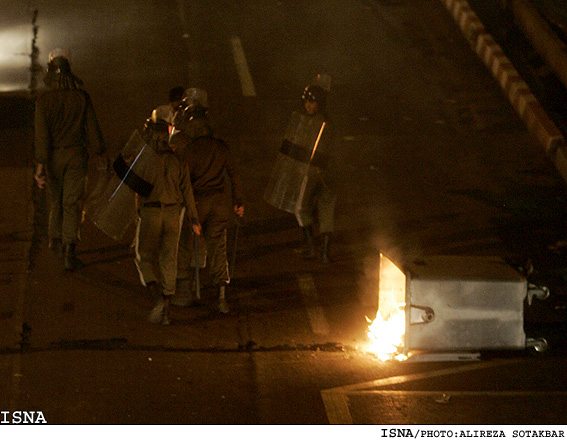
[(387, 335), (387, 331)]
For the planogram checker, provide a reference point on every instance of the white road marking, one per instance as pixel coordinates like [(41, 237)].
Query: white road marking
[(317, 318), (242, 67), (465, 393), (336, 399)]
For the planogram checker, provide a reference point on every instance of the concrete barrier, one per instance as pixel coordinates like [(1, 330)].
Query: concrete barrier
[(544, 40), (522, 99)]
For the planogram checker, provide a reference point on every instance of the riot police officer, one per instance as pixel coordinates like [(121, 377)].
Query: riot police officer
[(66, 127), (303, 181), (213, 172), (158, 229)]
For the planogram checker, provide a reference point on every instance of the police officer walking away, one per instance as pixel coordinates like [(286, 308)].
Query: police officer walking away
[(303, 181), (65, 128), (212, 172), (157, 232)]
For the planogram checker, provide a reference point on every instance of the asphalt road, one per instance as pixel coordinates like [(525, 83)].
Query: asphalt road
[(433, 160)]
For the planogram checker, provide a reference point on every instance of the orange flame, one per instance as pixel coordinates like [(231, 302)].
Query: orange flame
[(387, 331)]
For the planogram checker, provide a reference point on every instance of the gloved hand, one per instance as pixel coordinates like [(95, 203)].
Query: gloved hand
[(239, 210)]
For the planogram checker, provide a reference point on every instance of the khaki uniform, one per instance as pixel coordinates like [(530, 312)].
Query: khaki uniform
[(212, 172), (65, 127), (159, 223)]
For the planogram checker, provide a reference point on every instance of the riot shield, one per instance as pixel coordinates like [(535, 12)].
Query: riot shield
[(111, 206), (295, 169)]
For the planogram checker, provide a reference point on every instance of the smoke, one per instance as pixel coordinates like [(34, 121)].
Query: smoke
[(384, 236)]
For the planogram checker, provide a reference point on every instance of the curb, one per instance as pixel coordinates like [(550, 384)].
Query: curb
[(522, 99)]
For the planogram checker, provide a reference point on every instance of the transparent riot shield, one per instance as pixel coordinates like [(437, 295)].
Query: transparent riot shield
[(111, 206), (294, 167)]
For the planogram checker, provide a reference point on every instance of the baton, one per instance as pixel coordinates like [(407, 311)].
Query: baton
[(233, 260), (304, 183), (197, 266)]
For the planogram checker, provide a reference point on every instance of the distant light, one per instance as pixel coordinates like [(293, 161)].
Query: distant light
[(15, 52)]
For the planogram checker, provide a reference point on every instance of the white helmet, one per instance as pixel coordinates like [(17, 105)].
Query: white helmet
[(194, 97)]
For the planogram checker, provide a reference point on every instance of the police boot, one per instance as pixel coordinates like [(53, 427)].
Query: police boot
[(223, 305), (182, 295), (309, 252), (56, 246), (153, 290), (70, 262), (325, 251), (160, 312)]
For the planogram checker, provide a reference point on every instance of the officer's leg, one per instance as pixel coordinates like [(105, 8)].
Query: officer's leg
[(74, 182), (168, 250), (184, 252), (326, 214), (146, 246), (304, 215), (55, 189), (215, 237), (184, 276), (167, 256)]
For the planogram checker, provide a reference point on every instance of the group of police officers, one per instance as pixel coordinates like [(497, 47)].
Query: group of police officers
[(181, 185)]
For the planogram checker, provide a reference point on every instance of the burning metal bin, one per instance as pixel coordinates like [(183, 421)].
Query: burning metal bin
[(455, 303)]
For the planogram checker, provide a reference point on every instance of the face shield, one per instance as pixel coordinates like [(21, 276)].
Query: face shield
[(156, 134), (191, 120)]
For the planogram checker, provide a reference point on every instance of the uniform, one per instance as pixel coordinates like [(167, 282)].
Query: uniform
[(303, 180), (160, 217), (65, 127), (212, 172)]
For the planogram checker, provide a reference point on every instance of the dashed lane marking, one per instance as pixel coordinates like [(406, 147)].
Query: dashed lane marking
[(317, 318), (242, 67)]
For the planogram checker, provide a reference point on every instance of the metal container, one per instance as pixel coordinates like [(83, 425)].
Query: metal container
[(457, 303)]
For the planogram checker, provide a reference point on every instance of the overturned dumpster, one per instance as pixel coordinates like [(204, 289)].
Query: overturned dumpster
[(456, 304)]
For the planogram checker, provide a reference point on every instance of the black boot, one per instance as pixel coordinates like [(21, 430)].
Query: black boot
[(153, 290), (309, 252), (325, 252), (70, 262), (160, 312)]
